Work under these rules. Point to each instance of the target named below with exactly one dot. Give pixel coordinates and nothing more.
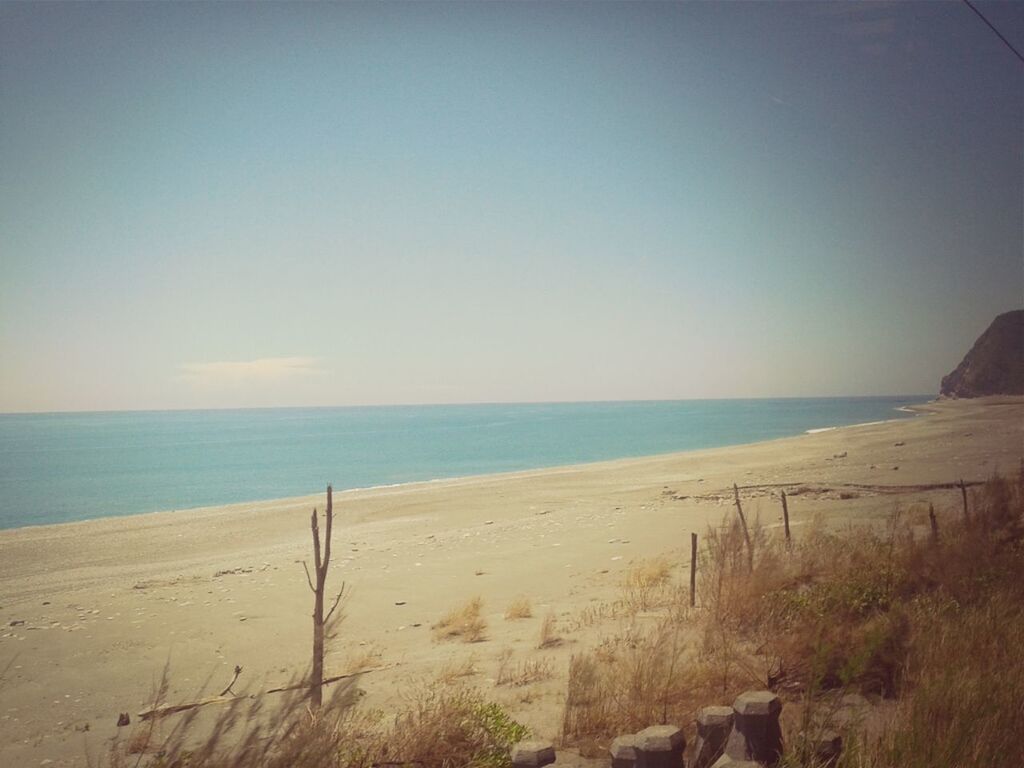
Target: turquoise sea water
(75, 466)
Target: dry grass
(889, 611)
(464, 622)
(549, 632)
(519, 608)
(367, 657)
(523, 673)
(629, 682)
(439, 726)
(645, 585)
(457, 670)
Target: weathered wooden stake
(321, 562)
(934, 522)
(693, 569)
(746, 533)
(963, 493)
(785, 516)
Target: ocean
(61, 467)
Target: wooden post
(785, 516)
(693, 569)
(963, 493)
(746, 532)
(934, 522)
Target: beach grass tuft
(465, 623)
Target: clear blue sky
(207, 205)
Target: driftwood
(325, 681)
(171, 709)
(873, 487)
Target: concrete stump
(713, 726)
(727, 762)
(532, 754)
(660, 746)
(756, 733)
(623, 751)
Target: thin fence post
(963, 493)
(785, 516)
(693, 569)
(746, 532)
(934, 522)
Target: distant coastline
(73, 467)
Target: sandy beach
(91, 612)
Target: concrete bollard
(660, 746)
(532, 754)
(623, 751)
(727, 762)
(827, 747)
(756, 733)
(713, 726)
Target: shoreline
(917, 409)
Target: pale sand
(106, 603)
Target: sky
(251, 205)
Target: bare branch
(226, 691)
(316, 545)
(308, 579)
(330, 521)
(336, 601)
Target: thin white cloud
(245, 371)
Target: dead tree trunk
(321, 562)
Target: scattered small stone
(399, 602)
(17, 623)
(124, 719)
(488, 522)
(895, 468)
(900, 444)
(46, 602)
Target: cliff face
(995, 364)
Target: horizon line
(932, 397)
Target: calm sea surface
(76, 466)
